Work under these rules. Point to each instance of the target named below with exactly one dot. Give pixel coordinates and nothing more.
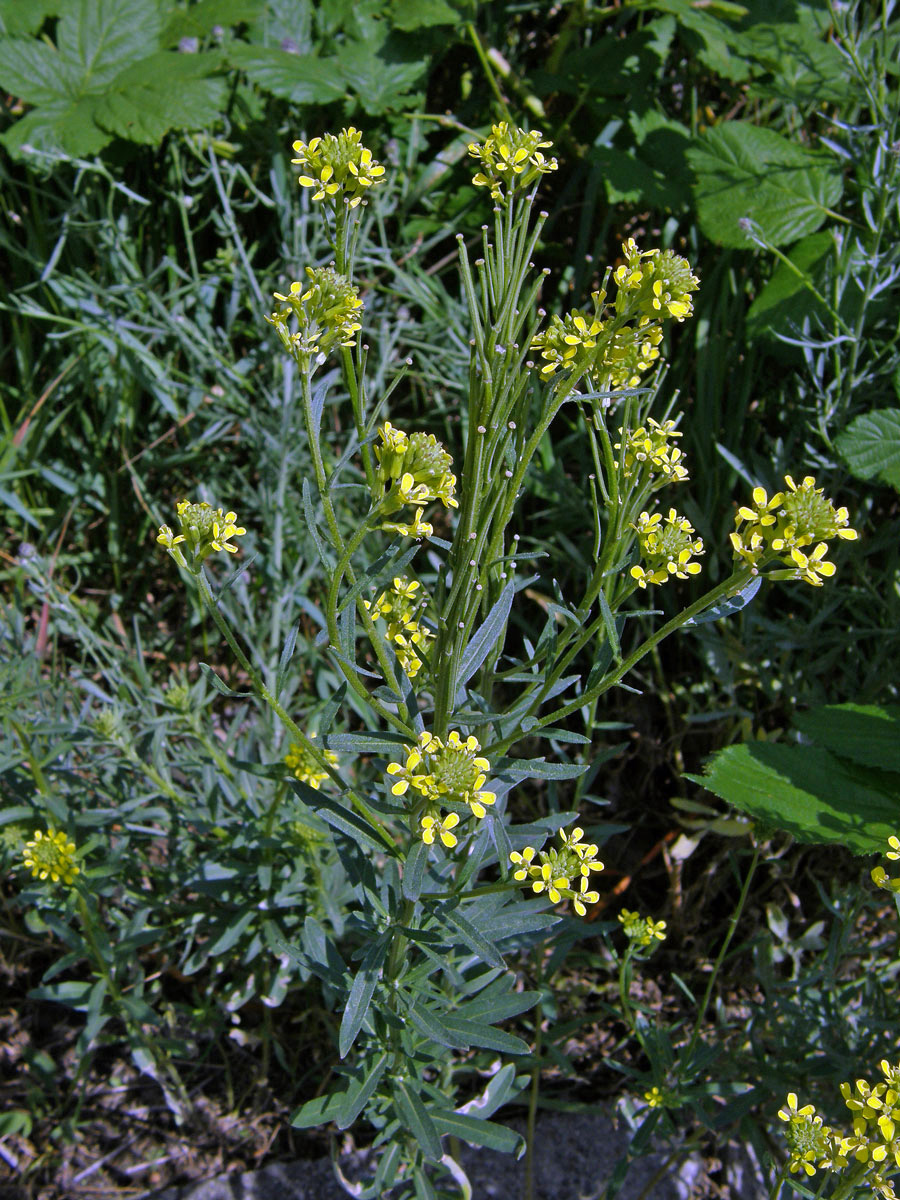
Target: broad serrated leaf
(786, 297)
(18, 17)
(34, 72)
(870, 446)
(162, 92)
(410, 15)
(361, 991)
(380, 85)
(415, 1117)
(804, 790)
(66, 126)
(479, 1133)
(744, 171)
(201, 19)
(300, 78)
(102, 37)
(865, 733)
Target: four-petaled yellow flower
(666, 548)
(338, 168)
(399, 607)
(782, 529)
(204, 529)
(300, 760)
(51, 856)
(558, 869)
(511, 159)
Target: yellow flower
(556, 870)
(416, 467)
(641, 931)
(204, 529)
(338, 167)
(667, 549)
(51, 856)
(511, 159)
(646, 452)
(326, 311)
(654, 283)
(433, 824)
(782, 528)
(445, 772)
(300, 761)
(399, 607)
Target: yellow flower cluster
(442, 773)
(304, 767)
(511, 159)
(580, 341)
(399, 607)
(646, 453)
(880, 876)
(557, 870)
(642, 932)
(654, 283)
(666, 548)
(326, 311)
(51, 856)
(874, 1142)
(785, 526)
(338, 167)
(204, 529)
(417, 470)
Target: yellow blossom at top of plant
(301, 762)
(444, 772)
(807, 1137)
(326, 311)
(646, 452)
(581, 341)
(666, 547)
(557, 870)
(511, 159)
(782, 528)
(51, 856)
(339, 167)
(204, 529)
(642, 932)
(654, 283)
(399, 606)
(416, 468)
(880, 876)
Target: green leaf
(18, 17)
(410, 15)
(379, 84)
(221, 687)
(866, 733)
(361, 992)
(414, 870)
(486, 637)
(470, 936)
(102, 37)
(786, 297)
(432, 1026)
(33, 71)
(64, 126)
(162, 92)
(476, 1033)
(200, 19)
(300, 78)
(319, 1111)
(340, 817)
(870, 446)
(745, 171)
(479, 1133)
(415, 1117)
(805, 790)
(358, 1094)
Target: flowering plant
(416, 622)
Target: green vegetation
(384, 552)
